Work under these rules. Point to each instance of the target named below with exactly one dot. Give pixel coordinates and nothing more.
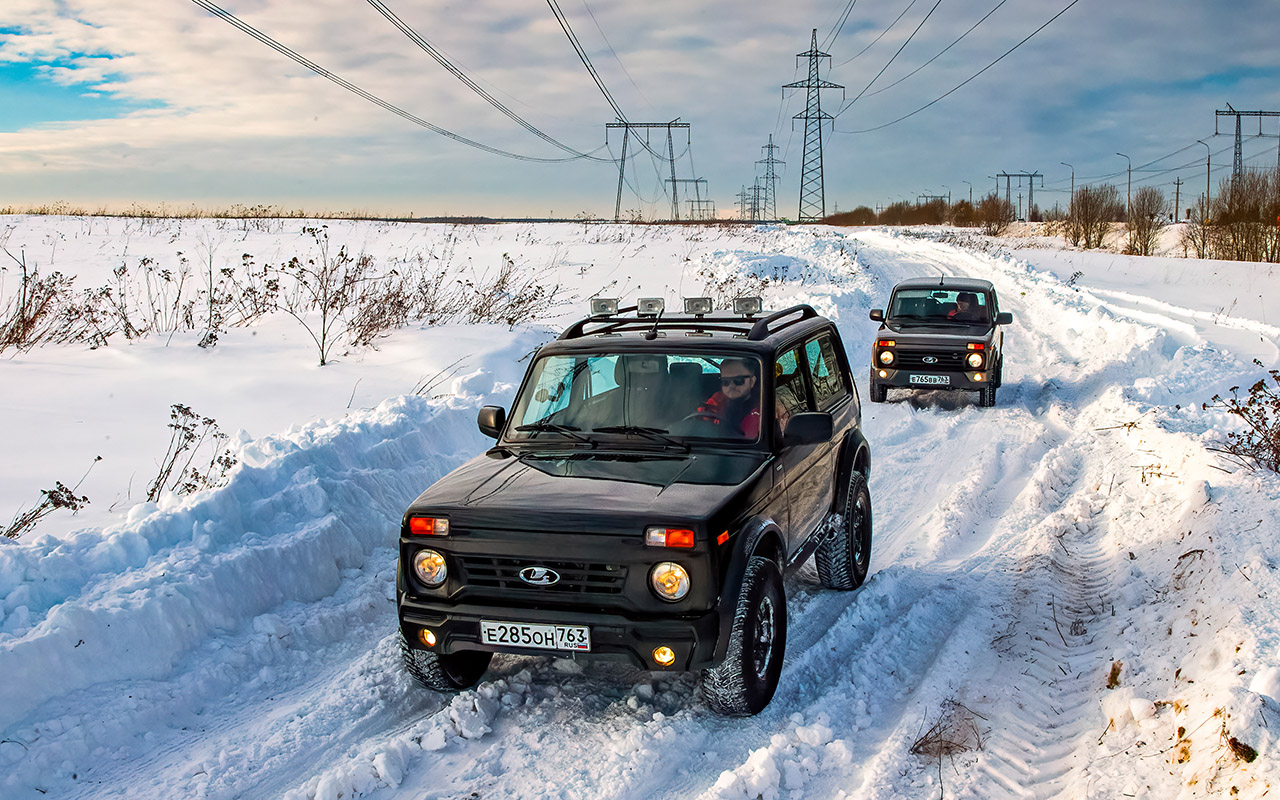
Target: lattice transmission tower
(813, 202)
(769, 183)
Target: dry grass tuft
(954, 732)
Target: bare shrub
(51, 499)
(326, 286)
(193, 436)
(33, 314)
(1258, 446)
(994, 214)
(1197, 235)
(1093, 209)
(962, 214)
(1147, 218)
(1244, 218)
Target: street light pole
(1128, 197)
(970, 192)
(1073, 178)
(1208, 157)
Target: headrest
(641, 367)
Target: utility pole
(1031, 182)
(1238, 165)
(1177, 192)
(755, 201)
(1073, 178)
(970, 192)
(770, 179)
(627, 127)
(697, 189)
(1128, 197)
(813, 204)
(1208, 158)
(742, 203)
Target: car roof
(963, 284)
(760, 334)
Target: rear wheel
(444, 672)
(744, 683)
(844, 556)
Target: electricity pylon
(770, 185)
(1238, 165)
(813, 202)
(627, 127)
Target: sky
(110, 103)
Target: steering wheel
(705, 416)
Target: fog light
(430, 567)
(979, 377)
(974, 360)
(883, 374)
(427, 637)
(669, 581)
(664, 656)
(886, 356)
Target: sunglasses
(736, 380)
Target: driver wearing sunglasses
(737, 403)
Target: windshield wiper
(555, 427)
(656, 434)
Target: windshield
(666, 399)
(940, 305)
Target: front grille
(576, 577)
(947, 362)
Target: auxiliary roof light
(698, 305)
(604, 306)
(650, 306)
(746, 306)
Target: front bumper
(457, 627)
(902, 379)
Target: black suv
(940, 333)
(655, 479)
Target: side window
(829, 384)
(790, 389)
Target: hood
(588, 492)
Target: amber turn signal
(668, 537)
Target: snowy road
(243, 643)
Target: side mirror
(1004, 318)
(811, 427)
(877, 314)
(491, 420)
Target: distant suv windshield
(940, 305)
(662, 397)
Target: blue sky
(121, 101)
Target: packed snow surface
(1072, 595)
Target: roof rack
(755, 328)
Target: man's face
(962, 304)
(736, 381)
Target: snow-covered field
(1070, 590)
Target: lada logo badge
(539, 576)
(930, 360)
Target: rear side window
(829, 384)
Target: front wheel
(844, 556)
(744, 683)
(444, 672)
(987, 396)
(878, 392)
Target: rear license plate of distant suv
(931, 380)
(541, 637)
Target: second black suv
(655, 479)
(940, 333)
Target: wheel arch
(758, 536)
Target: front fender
(757, 536)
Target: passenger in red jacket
(737, 404)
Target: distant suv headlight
(430, 567)
(886, 356)
(974, 360)
(670, 581)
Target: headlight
(886, 356)
(430, 567)
(669, 581)
(974, 360)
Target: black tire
(878, 392)
(844, 557)
(987, 396)
(444, 672)
(744, 683)
(998, 380)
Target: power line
(467, 81)
(849, 104)
(939, 55)
(970, 78)
(584, 58)
(878, 38)
(614, 53)
(356, 90)
(839, 26)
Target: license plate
(931, 380)
(541, 637)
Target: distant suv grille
(952, 361)
(576, 577)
